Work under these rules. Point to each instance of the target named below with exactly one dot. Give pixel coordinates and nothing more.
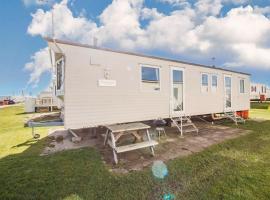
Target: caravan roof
(138, 54)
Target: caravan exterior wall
(106, 87)
(256, 90)
(29, 104)
(268, 93)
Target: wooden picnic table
(116, 131)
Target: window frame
(62, 71)
(201, 82)
(216, 86)
(177, 68)
(252, 88)
(231, 91)
(244, 86)
(140, 77)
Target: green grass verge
(236, 169)
(257, 105)
(260, 112)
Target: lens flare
(168, 197)
(159, 169)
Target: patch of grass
(257, 105)
(14, 137)
(235, 169)
(260, 112)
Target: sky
(233, 34)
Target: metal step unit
(184, 125)
(234, 117)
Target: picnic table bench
(116, 131)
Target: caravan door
(177, 91)
(228, 93)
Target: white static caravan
(268, 93)
(48, 99)
(102, 86)
(258, 91)
(45, 100)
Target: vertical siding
(87, 104)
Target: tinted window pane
(150, 78)
(59, 74)
(228, 81)
(150, 74)
(242, 86)
(177, 76)
(205, 79)
(214, 80)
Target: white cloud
(37, 2)
(66, 26)
(39, 64)
(176, 2)
(242, 34)
(252, 55)
(240, 38)
(236, 2)
(236, 27)
(174, 32)
(208, 7)
(120, 23)
(213, 7)
(204, 6)
(262, 10)
(151, 13)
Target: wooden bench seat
(116, 131)
(135, 146)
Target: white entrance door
(177, 91)
(228, 93)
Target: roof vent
(95, 42)
(213, 59)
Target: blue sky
(236, 33)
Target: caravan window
(204, 80)
(204, 86)
(242, 86)
(150, 78)
(59, 73)
(214, 83)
